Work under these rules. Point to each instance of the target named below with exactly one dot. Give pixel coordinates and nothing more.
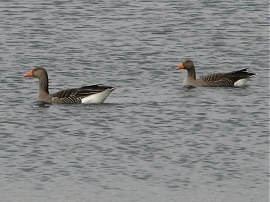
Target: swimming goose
(229, 79)
(85, 94)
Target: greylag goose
(85, 95)
(229, 79)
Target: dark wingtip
(98, 86)
(245, 70)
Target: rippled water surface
(153, 139)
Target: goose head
(185, 64)
(38, 72)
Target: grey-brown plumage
(86, 94)
(229, 79)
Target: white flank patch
(97, 98)
(241, 82)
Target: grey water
(153, 139)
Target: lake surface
(153, 139)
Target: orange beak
(29, 74)
(180, 66)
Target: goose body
(230, 79)
(86, 95)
